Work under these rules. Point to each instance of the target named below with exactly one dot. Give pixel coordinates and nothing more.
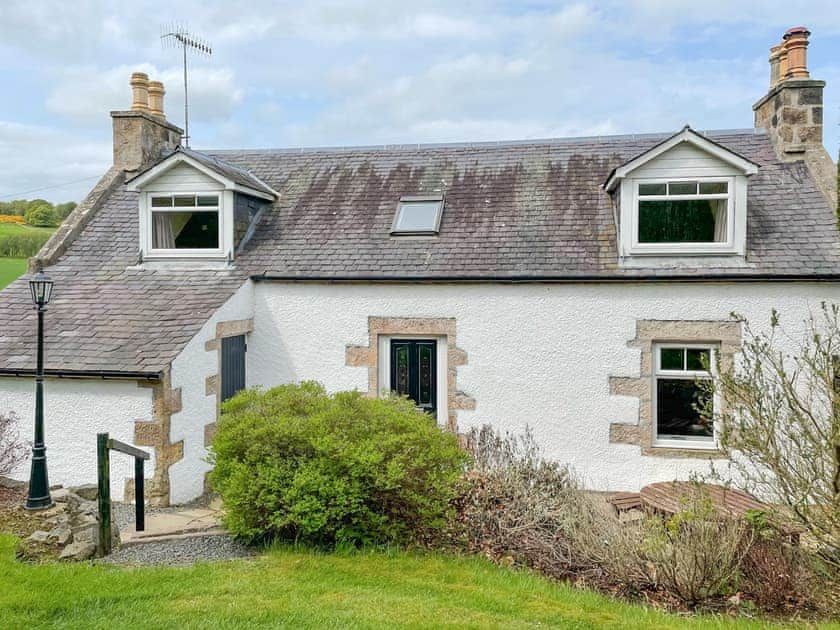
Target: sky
(361, 72)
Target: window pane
(184, 201)
(208, 200)
(697, 359)
(682, 188)
(185, 230)
(401, 359)
(653, 189)
(671, 358)
(682, 221)
(425, 390)
(713, 188)
(161, 202)
(678, 405)
(417, 216)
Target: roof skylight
(418, 215)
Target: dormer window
(195, 206)
(419, 216)
(684, 211)
(686, 196)
(184, 223)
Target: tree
(780, 423)
(41, 216)
(63, 210)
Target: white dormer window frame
(724, 246)
(719, 165)
(152, 183)
(149, 209)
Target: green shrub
(296, 464)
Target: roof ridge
(758, 131)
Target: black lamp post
(39, 485)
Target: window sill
(179, 262)
(680, 260)
(677, 449)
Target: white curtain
(163, 236)
(720, 221)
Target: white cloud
(368, 71)
(86, 94)
(37, 161)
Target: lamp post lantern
(39, 485)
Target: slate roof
(514, 210)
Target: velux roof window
(418, 216)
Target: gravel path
(172, 552)
(178, 552)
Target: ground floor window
(681, 400)
(414, 371)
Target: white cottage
(573, 285)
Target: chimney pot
(140, 91)
(775, 53)
(796, 44)
(156, 93)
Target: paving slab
(182, 523)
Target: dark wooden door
(233, 365)
(414, 371)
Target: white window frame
(683, 442)
(442, 376)
(725, 247)
(147, 235)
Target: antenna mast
(178, 36)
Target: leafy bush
(297, 464)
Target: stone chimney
(792, 110)
(142, 135)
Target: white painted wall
(190, 370)
(539, 355)
(75, 410)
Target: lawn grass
(10, 269)
(287, 588)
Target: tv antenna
(179, 36)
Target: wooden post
(139, 513)
(104, 495)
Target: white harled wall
(538, 355)
(190, 370)
(75, 410)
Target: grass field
(285, 588)
(11, 268)
(14, 228)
